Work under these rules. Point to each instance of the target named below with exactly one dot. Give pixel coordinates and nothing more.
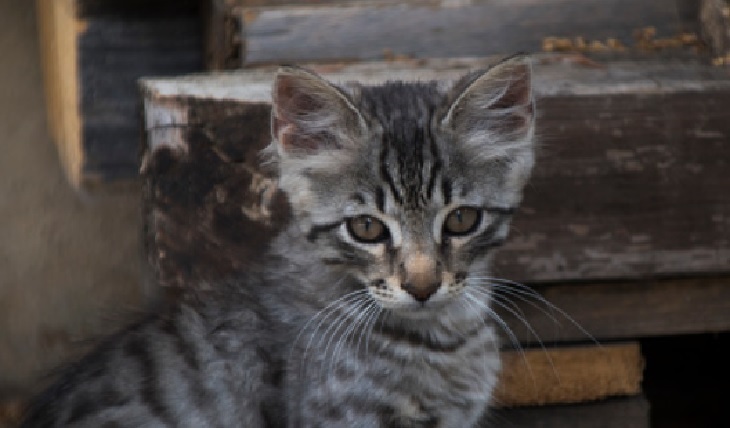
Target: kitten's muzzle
(421, 292)
(421, 276)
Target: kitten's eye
(462, 221)
(367, 229)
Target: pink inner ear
(291, 104)
(293, 99)
(291, 139)
(517, 92)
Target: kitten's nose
(421, 292)
(421, 276)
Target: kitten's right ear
(493, 111)
(309, 114)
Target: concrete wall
(70, 267)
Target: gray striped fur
(330, 332)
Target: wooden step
(261, 32)
(93, 51)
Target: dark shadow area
(686, 380)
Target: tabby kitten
(364, 315)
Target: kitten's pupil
(462, 220)
(367, 229)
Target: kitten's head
(406, 187)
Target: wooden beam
(327, 30)
(564, 375)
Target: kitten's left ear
(494, 110)
(310, 115)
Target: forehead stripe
(446, 190)
(435, 169)
(385, 174)
(380, 199)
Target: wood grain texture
(566, 375)
(644, 179)
(370, 30)
(618, 310)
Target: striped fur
(341, 329)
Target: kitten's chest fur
(398, 373)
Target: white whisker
(526, 291)
(361, 315)
(532, 331)
(496, 318)
(325, 313)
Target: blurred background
(69, 263)
(635, 101)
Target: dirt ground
(70, 266)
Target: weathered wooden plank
(94, 52)
(629, 181)
(370, 30)
(617, 310)
(646, 175)
(631, 412)
(564, 375)
(715, 25)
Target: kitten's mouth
(420, 310)
(417, 309)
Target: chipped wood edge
(165, 123)
(59, 31)
(555, 75)
(569, 374)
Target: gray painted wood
(369, 30)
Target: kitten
(364, 315)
